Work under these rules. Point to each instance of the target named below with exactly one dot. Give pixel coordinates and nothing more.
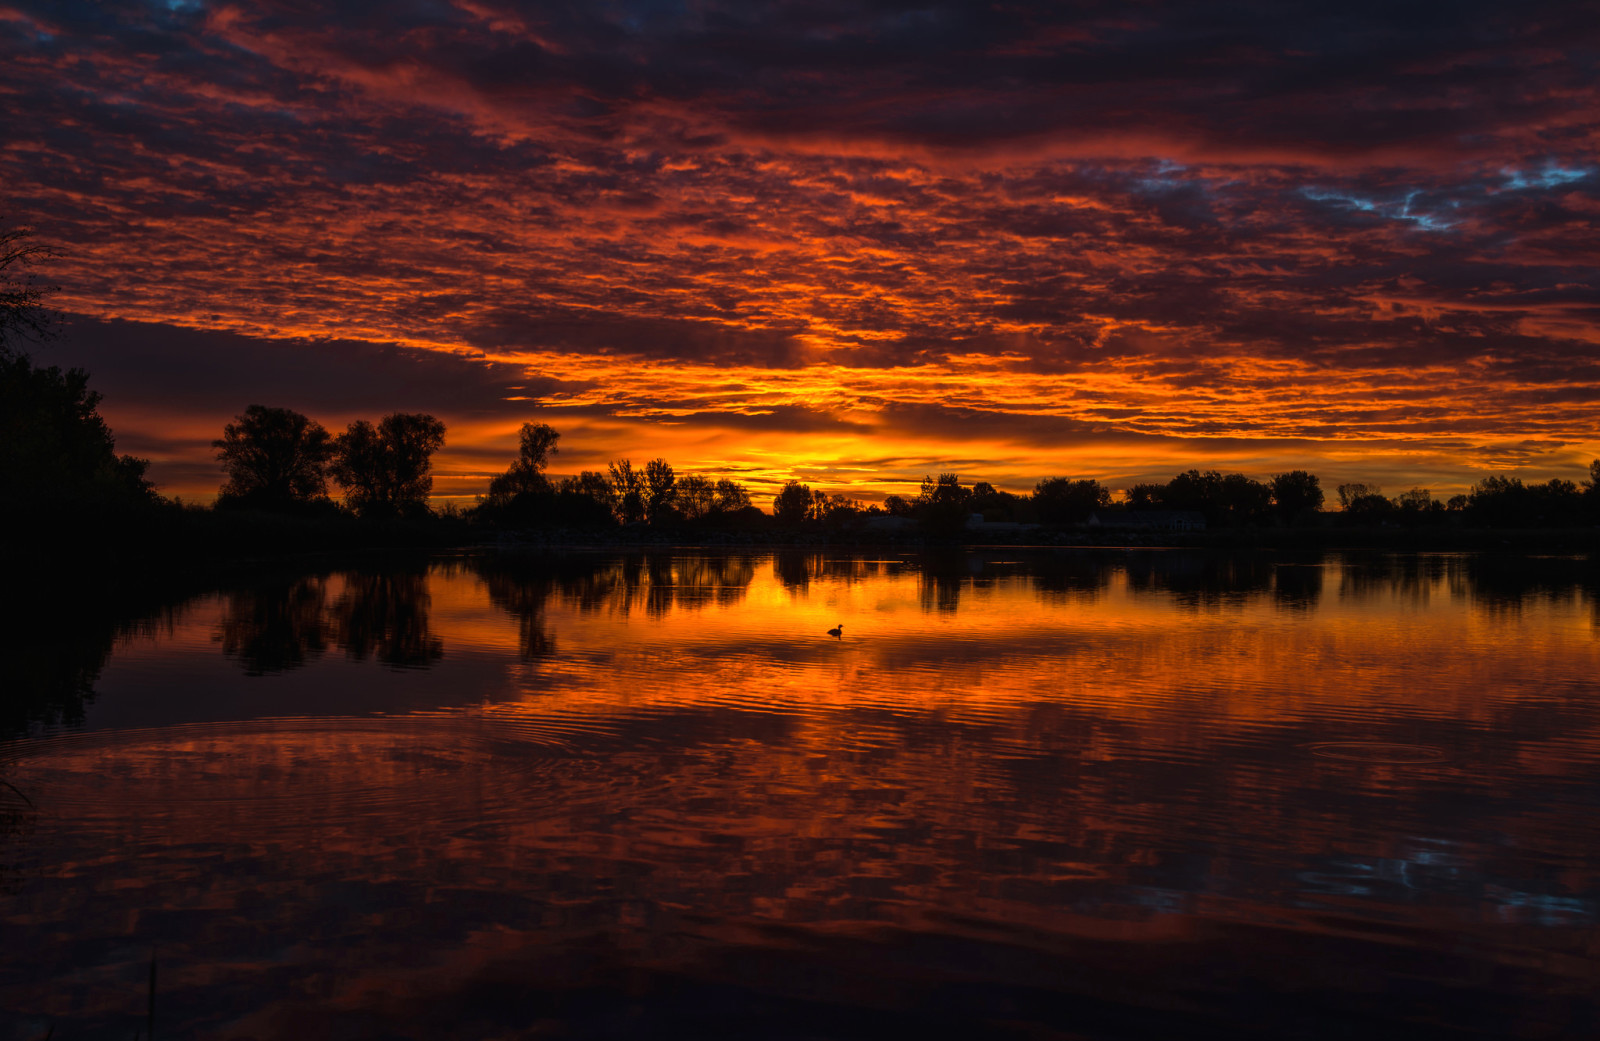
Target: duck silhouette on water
(837, 631)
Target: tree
(23, 315)
(54, 446)
(696, 497)
(1230, 499)
(660, 489)
(1349, 493)
(942, 505)
(387, 470)
(526, 475)
(1500, 501)
(896, 506)
(275, 458)
(1062, 501)
(585, 501)
(836, 511)
(793, 505)
(1243, 500)
(1146, 496)
(592, 484)
(1556, 502)
(1368, 508)
(731, 496)
(627, 492)
(1296, 493)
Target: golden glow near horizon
(856, 288)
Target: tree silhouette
(792, 506)
(274, 458)
(526, 475)
(1224, 499)
(387, 470)
(627, 491)
(54, 446)
(1295, 493)
(731, 496)
(592, 484)
(1060, 501)
(696, 497)
(943, 504)
(1350, 492)
(660, 490)
(1146, 496)
(23, 314)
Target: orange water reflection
(623, 795)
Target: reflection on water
(1119, 794)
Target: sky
(850, 243)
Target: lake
(1082, 794)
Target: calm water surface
(1077, 794)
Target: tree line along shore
(67, 495)
(290, 484)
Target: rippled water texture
(1084, 795)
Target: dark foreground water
(1076, 795)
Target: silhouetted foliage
(731, 496)
(1230, 499)
(1296, 494)
(794, 505)
(537, 443)
(1349, 493)
(523, 495)
(275, 459)
(1368, 507)
(660, 491)
(586, 501)
(1145, 496)
(998, 505)
(1058, 500)
(896, 506)
(696, 497)
(1418, 506)
(837, 512)
(24, 318)
(592, 484)
(627, 488)
(54, 447)
(386, 470)
(942, 505)
(628, 492)
(1505, 502)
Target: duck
(837, 630)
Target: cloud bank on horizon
(855, 242)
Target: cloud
(192, 369)
(1084, 225)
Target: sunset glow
(852, 245)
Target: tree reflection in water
(1102, 774)
(385, 615)
(282, 624)
(277, 626)
(523, 585)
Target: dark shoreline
(186, 544)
